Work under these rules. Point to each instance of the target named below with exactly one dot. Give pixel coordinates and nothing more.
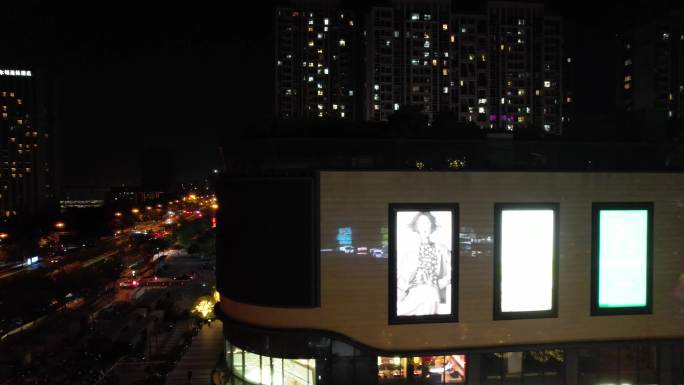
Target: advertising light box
(422, 262)
(526, 258)
(621, 279)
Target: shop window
(450, 369)
(538, 367)
(634, 365)
(263, 370)
(678, 364)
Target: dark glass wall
(266, 241)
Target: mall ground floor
(279, 357)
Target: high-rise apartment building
(526, 67)
(316, 60)
(27, 161)
(651, 64)
(500, 69)
(408, 58)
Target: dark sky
(176, 77)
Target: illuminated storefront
(449, 369)
(257, 369)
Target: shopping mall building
(357, 275)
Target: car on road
(347, 249)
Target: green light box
(623, 258)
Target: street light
(135, 210)
(118, 214)
(4, 235)
(215, 206)
(59, 225)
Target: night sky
(171, 79)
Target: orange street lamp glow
(135, 211)
(148, 208)
(59, 225)
(3, 235)
(118, 214)
(214, 206)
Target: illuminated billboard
(526, 260)
(423, 245)
(621, 258)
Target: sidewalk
(201, 358)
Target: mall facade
(442, 277)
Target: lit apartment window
(342, 114)
(376, 87)
(4, 115)
(310, 78)
(547, 127)
(434, 62)
(351, 23)
(445, 27)
(351, 93)
(461, 83)
(18, 101)
(628, 86)
(481, 110)
(320, 93)
(666, 36)
(568, 99)
(311, 43)
(396, 33)
(396, 106)
(445, 71)
(471, 57)
(628, 78)
(376, 107)
(445, 90)
(343, 43)
(415, 16)
(311, 21)
(503, 100)
(521, 92)
(569, 60)
(334, 106)
(482, 101)
(537, 92)
(463, 29)
(453, 38)
(325, 71)
(547, 84)
(326, 21)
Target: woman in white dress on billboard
(424, 288)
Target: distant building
(651, 63)
(131, 195)
(500, 69)
(28, 179)
(82, 197)
(316, 58)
